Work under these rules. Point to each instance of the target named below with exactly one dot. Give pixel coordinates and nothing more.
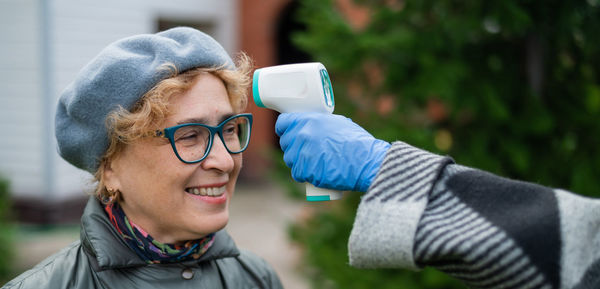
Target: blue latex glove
(329, 151)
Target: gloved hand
(329, 151)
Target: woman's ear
(110, 175)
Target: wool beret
(119, 76)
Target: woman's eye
(230, 129)
(190, 136)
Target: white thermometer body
(302, 87)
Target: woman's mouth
(207, 191)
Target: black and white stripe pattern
(489, 231)
(456, 239)
(387, 218)
(417, 170)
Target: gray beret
(119, 76)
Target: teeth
(213, 192)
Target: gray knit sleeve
(488, 231)
(388, 215)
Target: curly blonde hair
(152, 109)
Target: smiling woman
(154, 185)
(158, 120)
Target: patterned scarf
(150, 250)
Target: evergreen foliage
(510, 87)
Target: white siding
(21, 158)
(78, 30)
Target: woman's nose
(218, 157)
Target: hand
(329, 151)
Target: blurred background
(511, 87)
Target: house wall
(258, 29)
(21, 107)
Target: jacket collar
(104, 244)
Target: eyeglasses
(192, 142)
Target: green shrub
(324, 238)
(6, 232)
(511, 87)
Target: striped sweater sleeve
(488, 231)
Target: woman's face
(155, 184)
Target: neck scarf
(150, 250)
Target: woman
(157, 119)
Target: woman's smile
(207, 191)
(209, 194)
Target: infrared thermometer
(301, 87)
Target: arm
(420, 210)
(488, 231)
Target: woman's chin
(210, 224)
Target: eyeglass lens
(193, 141)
